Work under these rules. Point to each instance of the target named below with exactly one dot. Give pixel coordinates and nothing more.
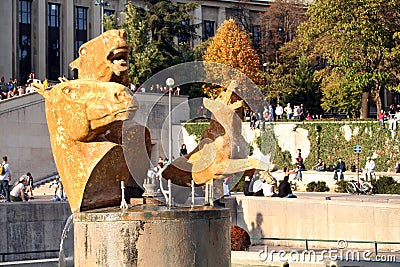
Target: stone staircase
(44, 190)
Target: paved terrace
(359, 220)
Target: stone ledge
(314, 176)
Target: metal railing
(4, 254)
(308, 240)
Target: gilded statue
(85, 120)
(222, 149)
(104, 58)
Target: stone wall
(317, 219)
(37, 226)
(32, 226)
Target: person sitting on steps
(341, 168)
(369, 168)
(18, 192)
(320, 166)
(284, 190)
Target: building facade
(43, 36)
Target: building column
(198, 18)
(68, 37)
(7, 51)
(95, 21)
(40, 64)
(221, 17)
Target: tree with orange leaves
(233, 47)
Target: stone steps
(43, 190)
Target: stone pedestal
(150, 235)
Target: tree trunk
(378, 100)
(364, 105)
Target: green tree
(293, 83)
(305, 87)
(338, 94)
(277, 85)
(360, 40)
(153, 29)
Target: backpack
(2, 169)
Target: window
(80, 28)
(184, 37)
(255, 30)
(208, 29)
(53, 13)
(81, 18)
(25, 12)
(24, 39)
(109, 12)
(53, 41)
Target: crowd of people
(257, 119)
(256, 186)
(157, 89)
(278, 113)
(12, 88)
(390, 117)
(340, 168)
(21, 190)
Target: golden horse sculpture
(222, 150)
(85, 118)
(104, 58)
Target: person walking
(5, 178)
(271, 113)
(29, 187)
(381, 118)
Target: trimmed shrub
(341, 186)
(240, 239)
(385, 185)
(319, 186)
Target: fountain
(86, 120)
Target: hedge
(328, 141)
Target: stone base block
(151, 235)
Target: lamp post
(170, 82)
(102, 4)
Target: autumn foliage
(233, 47)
